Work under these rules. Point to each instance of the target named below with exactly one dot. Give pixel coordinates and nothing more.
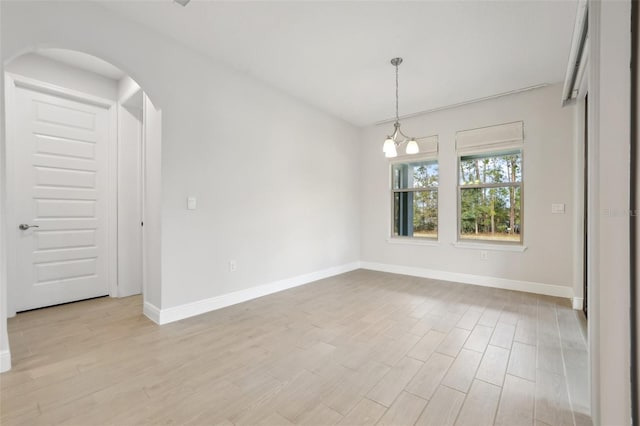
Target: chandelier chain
(397, 115)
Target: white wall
(152, 195)
(128, 89)
(609, 133)
(548, 178)
(5, 356)
(274, 177)
(129, 188)
(45, 69)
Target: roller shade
(428, 145)
(500, 136)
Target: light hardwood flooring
(360, 348)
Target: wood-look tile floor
(360, 348)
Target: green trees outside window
(415, 199)
(490, 197)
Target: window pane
(491, 168)
(415, 214)
(490, 214)
(420, 174)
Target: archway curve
(84, 27)
(152, 286)
(113, 61)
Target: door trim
(13, 81)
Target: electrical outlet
(233, 266)
(484, 255)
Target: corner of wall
(5, 354)
(577, 303)
(152, 312)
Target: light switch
(191, 203)
(557, 208)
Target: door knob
(24, 226)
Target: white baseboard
(578, 303)
(526, 286)
(5, 361)
(152, 312)
(176, 313)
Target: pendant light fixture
(397, 138)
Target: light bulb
(388, 145)
(391, 152)
(412, 147)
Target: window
(490, 196)
(414, 193)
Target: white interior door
(61, 160)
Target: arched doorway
(82, 177)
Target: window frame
(489, 151)
(430, 157)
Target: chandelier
(397, 138)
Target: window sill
(489, 246)
(413, 241)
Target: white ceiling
(335, 55)
(83, 61)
